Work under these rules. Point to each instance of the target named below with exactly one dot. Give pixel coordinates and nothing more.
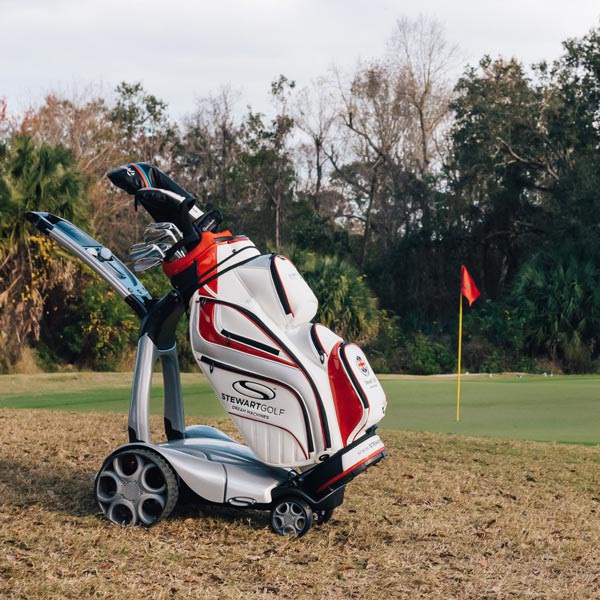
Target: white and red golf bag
(296, 391)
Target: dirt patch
(442, 517)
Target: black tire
(291, 516)
(136, 486)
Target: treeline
(379, 184)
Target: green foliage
(269, 173)
(425, 356)
(574, 84)
(558, 295)
(36, 177)
(91, 327)
(520, 173)
(499, 167)
(42, 178)
(346, 305)
(156, 282)
(385, 351)
(143, 122)
(308, 230)
(493, 339)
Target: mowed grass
(100, 392)
(443, 517)
(560, 408)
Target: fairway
(561, 408)
(101, 392)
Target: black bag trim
(186, 282)
(188, 239)
(315, 479)
(279, 286)
(217, 275)
(200, 276)
(317, 342)
(357, 386)
(250, 342)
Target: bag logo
(361, 363)
(253, 389)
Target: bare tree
(210, 148)
(420, 51)
(392, 114)
(376, 135)
(82, 124)
(315, 113)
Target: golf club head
(164, 232)
(144, 250)
(158, 236)
(164, 226)
(146, 262)
(136, 250)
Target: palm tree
(558, 294)
(31, 178)
(346, 304)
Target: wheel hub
(131, 491)
(287, 520)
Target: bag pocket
(270, 414)
(357, 394)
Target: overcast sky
(182, 50)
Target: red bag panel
(348, 405)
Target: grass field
(564, 409)
(441, 518)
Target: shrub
(558, 295)
(91, 327)
(425, 356)
(385, 351)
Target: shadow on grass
(52, 487)
(70, 491)
(192, 507)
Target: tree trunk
(318, 146)
(373, 187)
(277, 201)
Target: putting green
(562, 408)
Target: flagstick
(460, 311)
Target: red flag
(467, 286)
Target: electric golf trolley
(306, 402)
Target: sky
(184, 50)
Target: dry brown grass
(441, 518)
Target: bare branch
(528, 161)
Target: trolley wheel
(322, 516)
(291, 516)
(136, 486)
